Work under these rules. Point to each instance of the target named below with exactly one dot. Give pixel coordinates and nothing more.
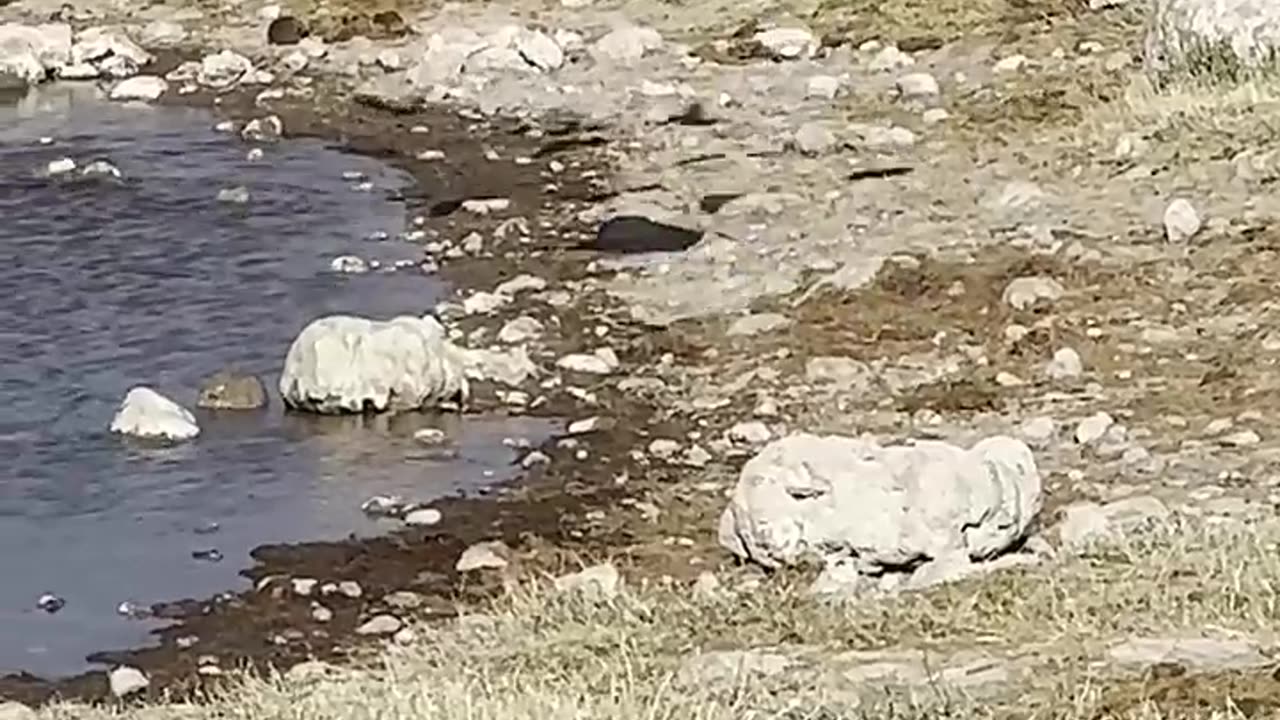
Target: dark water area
(151, 280)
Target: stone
(28, 54)
(142, 87)
(443, 61)
(813, 138)
(918, 86)
(1065, 365)
(757, 323)
(1025, 292)
(731, 668)
(146, 413)
(824, 87)
(234, 196)
(490, 555)
(1012, 63)
(626, 45)
(403, 600)
(1194, 653)
(510, 367)
(519, 284)
(101, 168)
(264, 129)
(844, 371)
(125, 680)
(1087, 522)
(1182, 35)
(1092, 429)
(61, 166)
(286, 30)
(599, 582)
(1038, 430)
(223, 69)
(97, 45)
(423, 517)
(231, 390)
(484, 303)
(539, 50)
(162, 34)
(16, 711)
(347, 364)
(303, 586)
(885, 507)
(521, 329)
(349, 264)
(1181, 221)
(598, 363)
(380, 625)
(752, 432)
(788, 43)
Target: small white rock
(126, 680)
(1181, 221)
(142, 87)
(380, 625)
(1093, 428)
(918, 86)
(423, 517)
(481, 556)
(60, 167)
(1065, 365)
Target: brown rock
(228, 390)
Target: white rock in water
(883, 508)
(143, 87)
(789, 43)
(101, 168)
(1181, 221)
(266, 129)
(349, 264)
(61, 166)
(345, 364)
(126, 680)
(1180, 33)
(223, 69)
(234, 196)
(146, 413)
(626, 45)
(539, 50)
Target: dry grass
(535, 655)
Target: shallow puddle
(152, 280)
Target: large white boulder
(881, 507)
(345, 364)
(1202, 34)
(28, 53)
(148, 414)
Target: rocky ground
(921, 219)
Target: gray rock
(521, 329)
(423, 517)
(380, 625)
(1181, 221)
(403, 600)
(1038, 430)
(346, 364)
(1195, 653)
(101, 168)
(1065, 365)
(814, 138)
(887, 507)
(1086, 522)
(602, 362)
(539, 50)
(162, 34)
(626, 45)
(519, 284)
(264, 129)
(146, 413)
(843, 371)
(230, 390)
(110, 50)
(29, 53)
(16, 711)
(490, 555)
(918, 86)
(822, 86)
(599, 582)
(751, 432)
(126, 680)
(757, 323)
(234, 196)
(223, 69)
(1185, 35)
(1092, 429)
(788, 43)
(510, 367)
(1024, 292)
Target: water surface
(151, 280)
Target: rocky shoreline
(949, 225)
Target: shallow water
(107, 285)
